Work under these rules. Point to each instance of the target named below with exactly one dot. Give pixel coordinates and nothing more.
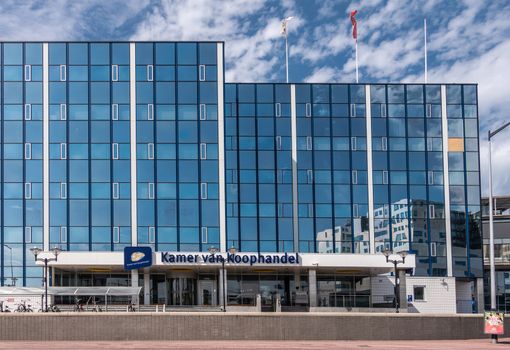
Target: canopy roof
(118, 291)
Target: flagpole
(286, 57)
(425, 47)
(357, 61)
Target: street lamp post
(387, 253)
(213, 250)
(491, 228)
(13, 280)
(36, 251)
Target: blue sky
(469, 41)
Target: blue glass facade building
(113, 144)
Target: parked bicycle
(95, 307)
(51, 308)
(131, 308)
(24, 307)
(78, 305)
(4, 308)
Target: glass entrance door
(270, 289)
(182, 291)
(207, 292)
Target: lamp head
(403, 255)
(232, 250)
(36, 251)
(212, 249)
(386, 253)
(56, 251)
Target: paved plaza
(260, 345)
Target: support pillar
(134, 283)
(403, 290)
(312, 287)
(222, 284)
(146, 288)
(480, 298)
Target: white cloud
(250, 29)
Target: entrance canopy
(96, 291)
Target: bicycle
(4, 308)
(78, 306)
(95, 307)
(51, 308)
(131, 308)
(24, 307)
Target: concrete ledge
(239, 326)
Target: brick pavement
(260, 345)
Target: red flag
(354, 25)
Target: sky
(468, 41)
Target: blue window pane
(78, 92)
(13, 53)
(144, 52)
(99, 53)
(165, 93)
(58, 92)
(165, 53)
(120, 92)
(187, 92)
(13, 73)
(13, 92)
(57, 53)
(100, 92)
(187, 73)
(165, 73)
(33, 53)
(207, 53)
(99, 73)
(33, 92)
(208, 92)
(78, 53)
(120, 53)
(186, 53)
(78, 73)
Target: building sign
(494, 323)
(137, 257)
(239, 259)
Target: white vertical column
(371, 226)
(221, 148)
(293, 130)
(146, 287)
(446, 181)
(312, 287)
(135, 299)
(132, 122)
(46, 151)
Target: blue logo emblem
(137, 257)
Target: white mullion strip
(293, 129)
(132, 121)
(371, 224)
(46, 151)
(446, 181)
(221, 149)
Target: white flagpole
(286, 57)
(285, 33)
(357, 80)
(425, 47)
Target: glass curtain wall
(464, 177)
(258, 167)
(21, 168)
(177, 146)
